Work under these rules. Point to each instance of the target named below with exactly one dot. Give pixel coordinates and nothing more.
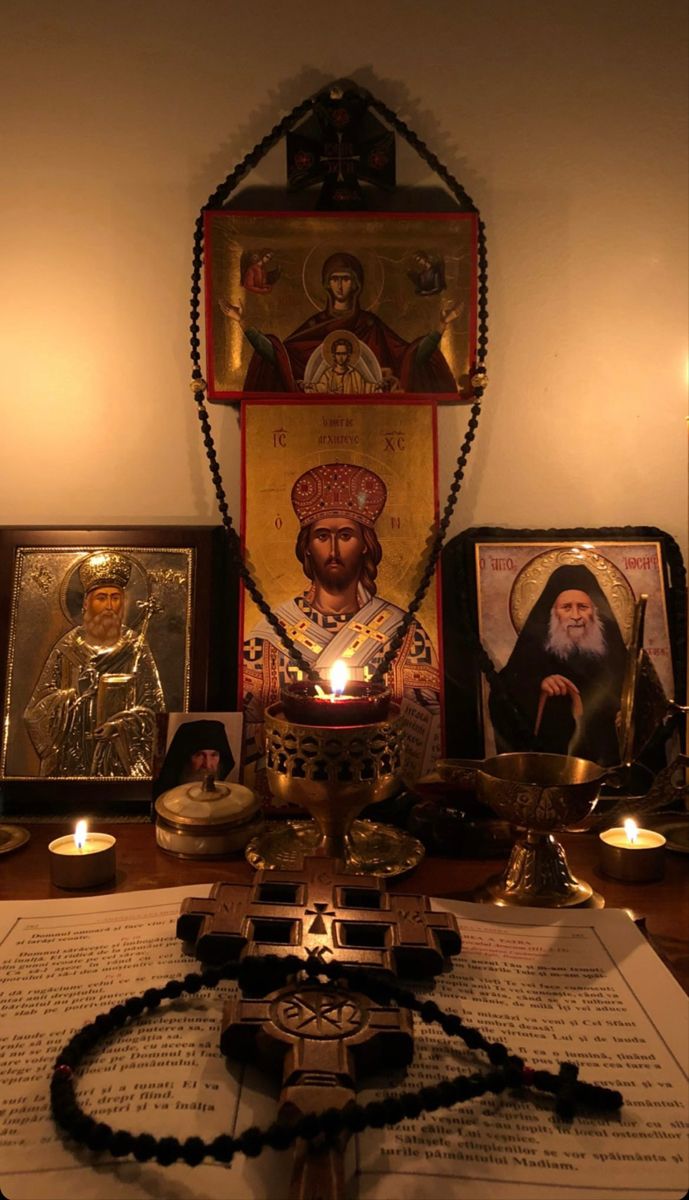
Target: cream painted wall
(565, 121)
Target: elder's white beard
(591, 641)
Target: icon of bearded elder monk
(340, 614)
(280, 366)
(566, 671)
(92, 709)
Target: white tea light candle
(631, 854)
(82, 860)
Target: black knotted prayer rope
(217, 200)
(263, 976)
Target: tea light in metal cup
(631, 854)
(82, 860)
(347, 702)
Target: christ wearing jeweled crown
(340, 614)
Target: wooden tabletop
(664, 906)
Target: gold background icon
(385, 246)
(397, 441)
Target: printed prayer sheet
(582, 986)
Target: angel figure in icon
(428, 273)
(258, 272)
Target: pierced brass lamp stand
(334, 771)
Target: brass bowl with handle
(541, 795)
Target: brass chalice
(542, 795)
(334, 771)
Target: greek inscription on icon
(394, 441)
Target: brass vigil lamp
(334, 752)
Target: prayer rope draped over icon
(198, 385)
(258, 977)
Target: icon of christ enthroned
(340, 614)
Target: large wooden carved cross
(350, 919)
(318, 1035)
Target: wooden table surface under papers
(663, 907)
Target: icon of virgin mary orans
(280, 366)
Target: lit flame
(338, 677)
(631, 829)
(80, 834)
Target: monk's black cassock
(599, 679)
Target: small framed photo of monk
(331, 304)
(102, 631)
(193, 745)
(544, 619)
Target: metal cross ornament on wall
(340, 144)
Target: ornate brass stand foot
(281, 845)
(375, 849)
(369, 848)
(12, 837)
(538, 875)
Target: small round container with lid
(206, 820)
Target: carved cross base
(321, 1037)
